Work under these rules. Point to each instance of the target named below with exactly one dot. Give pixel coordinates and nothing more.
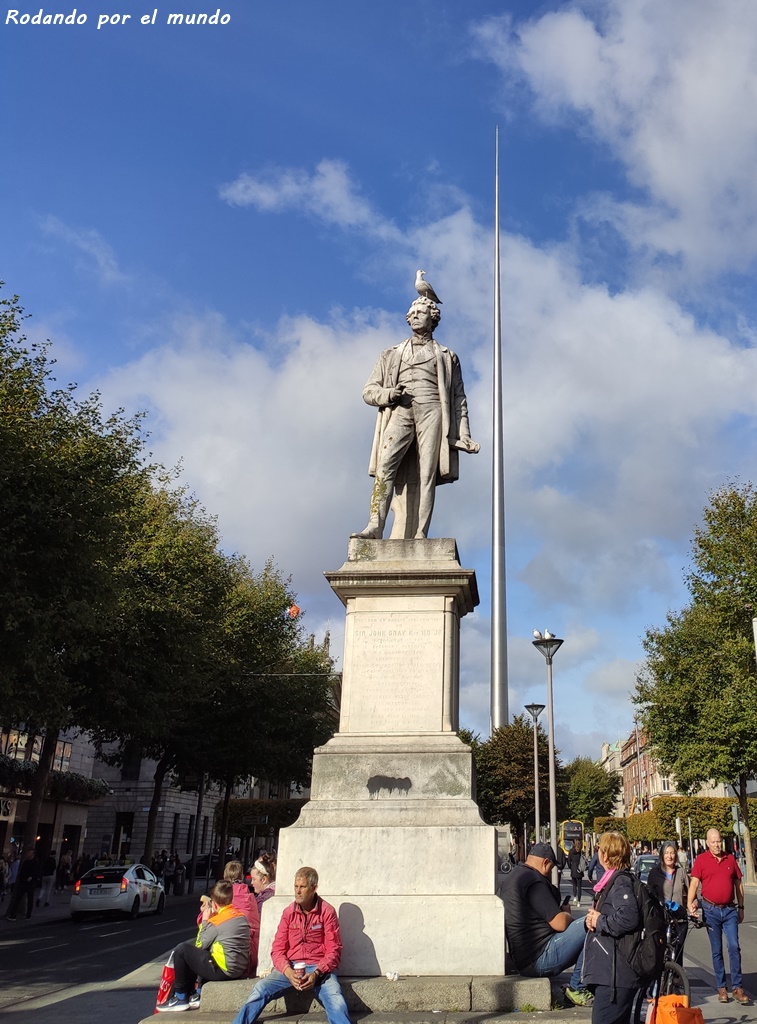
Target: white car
(129, 888)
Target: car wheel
(134, 912)
(77, 915)
(161, 904)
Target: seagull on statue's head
(424, 288)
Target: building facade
(643, 780)
(63, 823)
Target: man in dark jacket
(29, 877)
(543, 938)
(48, 879)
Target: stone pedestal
(391, 826)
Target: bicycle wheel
(639, 1007)
(674, 981)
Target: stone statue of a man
(422, 425)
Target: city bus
(569, 832)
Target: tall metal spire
(499, 704)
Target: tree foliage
(645, 826)
(68, 479)
(606, 823)
(120, 612)
(591, 790)
(698, 689)
(259, 818)
(705, 812)
(505, 774)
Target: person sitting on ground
(220, 952)
(544, 939)
(263, 877)
(305, 953)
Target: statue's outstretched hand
(467, 444)
(395, 394)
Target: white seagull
(424, 288)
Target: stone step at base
(572, 1016)
(381, 995)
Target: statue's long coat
(454, 406)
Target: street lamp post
(549, 645)
(534, 711)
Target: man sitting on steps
(305, 954)
(544, 939)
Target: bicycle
(673, 980)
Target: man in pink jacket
(308, 937)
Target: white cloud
(617, 409)
(328, 194)
(100, 257)
(671, 90)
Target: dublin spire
(499, 704)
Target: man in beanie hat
(543, 938)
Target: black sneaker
(174, 1005)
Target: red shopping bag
(166, 983)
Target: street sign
(739, 828)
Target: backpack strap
(603, 894)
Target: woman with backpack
(612, 925)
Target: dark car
(644, 865)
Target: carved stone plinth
(391, 826)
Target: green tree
(591, 790)
(283, 683)
(68, 481)
(505, 774)
(698, 689)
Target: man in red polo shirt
(722, 910)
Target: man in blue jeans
(305, 953)
(543, 938)
(723, 911)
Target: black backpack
(644, 950)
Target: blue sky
(221, 225)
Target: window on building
(20, 746)
(62, 759)
(204, 831)
(190, 832)
(132, 762)
(175, 832)
(665, 783)
(121, 842)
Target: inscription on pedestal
(396, 672)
